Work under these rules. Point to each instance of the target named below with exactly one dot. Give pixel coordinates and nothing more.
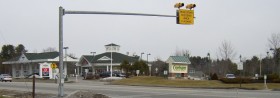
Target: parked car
(5, 77)
(230, 76)
(108, 74)
(88, 75)
(119, 74)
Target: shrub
(272, 76)
(236, 80)
(276, 80)
(214, 77)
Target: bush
(236, 80)
(276, 80)
(214, 77)
(272, 76)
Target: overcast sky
(247, 24)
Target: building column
(21, 70)
(107, 68)
(30, 69)
(65, 68)
(14, 70)
(78, 70)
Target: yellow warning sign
(53, 66)
(186, 16)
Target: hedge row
(247, 80)
(237, 80)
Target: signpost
(240, 68)
(165, 73)
(265, 77)
(137, 72)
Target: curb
(199, 87)
(72, 93)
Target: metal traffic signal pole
(63, 12)
(61, 78)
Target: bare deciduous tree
(226, 51)
(274, 41)
(49, 49)
(274, 45)
(182, 52)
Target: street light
(93, 70)
(240, 71)
(92, 53)
(208, 54)
(141, 55)
(111, 61)
(148, 63)
(274, 57)
(267, 59)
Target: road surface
(119, 91)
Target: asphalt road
(118, 91)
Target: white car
(5, 77)
(230, 76)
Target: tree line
(8, 52)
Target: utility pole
(260, 65)
(61, 78)
(150, 69)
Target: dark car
(108, 74)
(91, 75)
(105, 74)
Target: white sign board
(86, 70)
(46, 70)
(137, 72)
(165, 72)
(178, 68)
(240, 66)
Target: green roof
(45, 55)
(112, 44)
(117, 58)
(88, 57)
(180, 59)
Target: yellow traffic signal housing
(178, 5)
(190, 6)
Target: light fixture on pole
(111, 61)
(209, 61)
(92, 53)
(148, 63)
(93, 69)
(141, 55)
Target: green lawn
(160, 81)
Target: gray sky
(247, 24)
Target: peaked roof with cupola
(105, 58)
